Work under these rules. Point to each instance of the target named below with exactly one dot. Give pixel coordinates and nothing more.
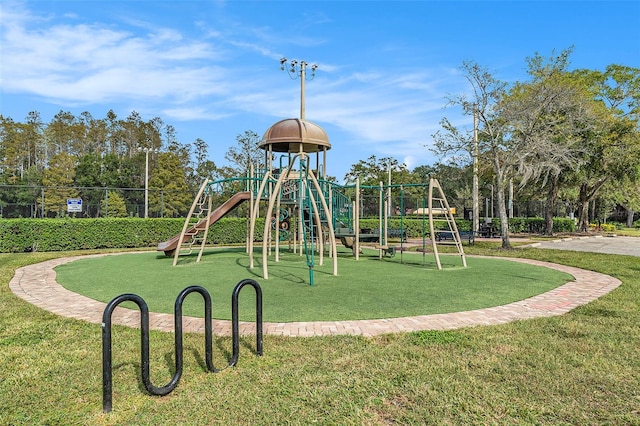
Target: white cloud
(92, 63)
(167, 72)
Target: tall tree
(58, 182)
(246, 153)
(89, 180)
(113, 205)
(495, 144)
(115, 134)
(374, 170)
(550, 117)
(11, 151)
(170, 194)
(34, 141)
(96, 134)
(205, 168)
(614, 151)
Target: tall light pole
(476, 206)
(146, 178)
(297, 69)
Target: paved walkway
(37, 285)
(612, 245)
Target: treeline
(570, 135)
(561, 143)
(78, 156)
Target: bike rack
(107, 373)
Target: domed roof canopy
(287, 135)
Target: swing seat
(387, 250)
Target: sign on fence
(74, 205)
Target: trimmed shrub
(24, 235)
(517, 225)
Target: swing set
(435, 210)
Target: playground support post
(356, 219)
(267, 227)
(401, 221)
(251, 192)
(283, 175)
(329, 216)
(431, 228)
(254, 215)
(277, 226)
(319, 239)
(380, 216)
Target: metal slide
(169, 246)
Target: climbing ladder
(439, 204)
(196, 225)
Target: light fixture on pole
(146, 178)
(297, 69)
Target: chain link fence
(22, 201)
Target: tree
(613, 152)
(34, 141)
(550, 116)
(373, 171)
(115, 134)
(205, 168)
(65, 133)
(495, 144)
(11, 152)
(246, 154)
(113, 205)
(58, 182)
(88, 178)
(170, 195)
(455, 181)
(96, 134)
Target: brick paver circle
(37, 285)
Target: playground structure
(313, 214)
(297, 189)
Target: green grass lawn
(629, 232)
(580, 368)
(364, 289)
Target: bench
(368, 236)
(394, 233)
(488, 231)
(468, 236)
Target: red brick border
(37, 285)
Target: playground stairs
(438, 203)
(196, 227)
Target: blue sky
(211, 68)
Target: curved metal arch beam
(267, 223)
(332, 235)
(254, 215)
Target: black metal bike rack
(107, 374)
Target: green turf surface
(364, 289)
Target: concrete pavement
(612, 245)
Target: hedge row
(23, 235)
(517, 225)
